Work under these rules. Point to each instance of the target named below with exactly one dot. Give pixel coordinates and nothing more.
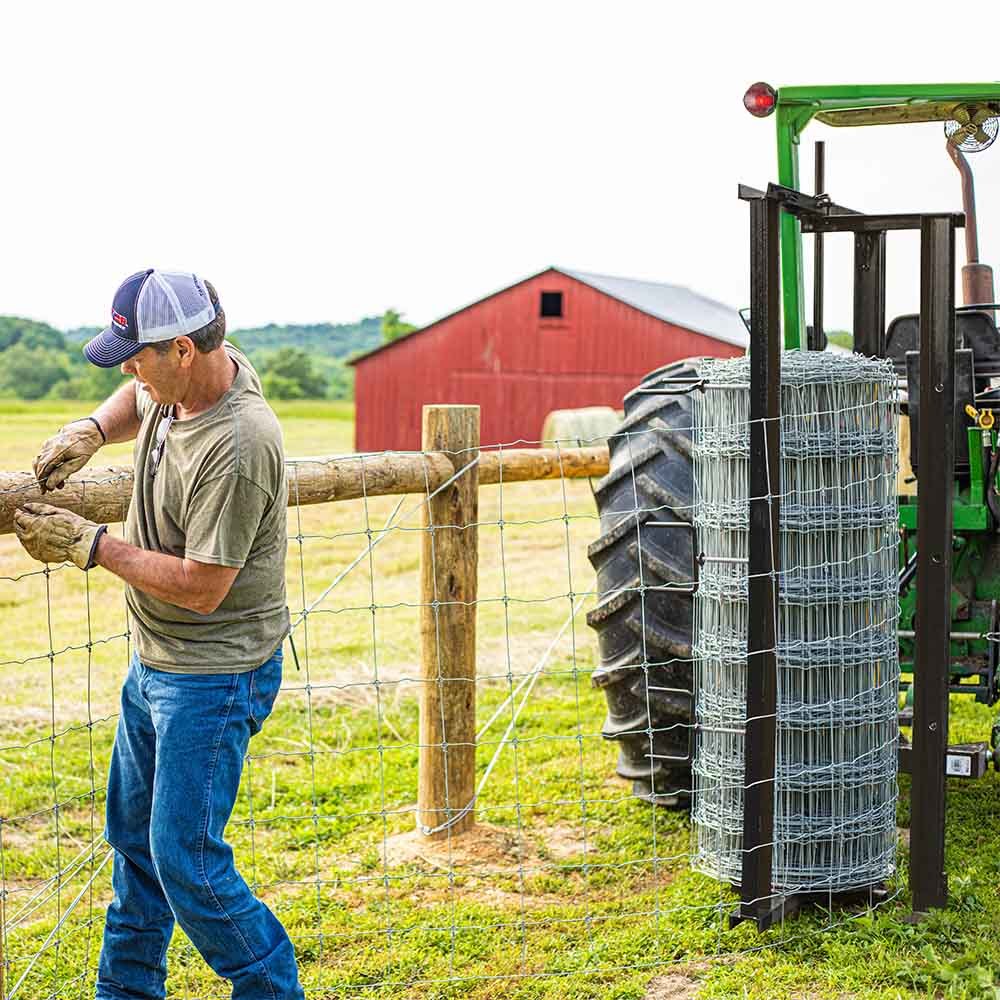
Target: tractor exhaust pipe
(977, 279)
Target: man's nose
(127, 367)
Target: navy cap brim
(107, 349)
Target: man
(203, 562)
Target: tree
(393, 326)
(88, 382)
(30, 372)
(292, 375)
(341, 381)
(29, 332)
(279, 387)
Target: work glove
(67, 452)
(53, 535)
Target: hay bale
(589, 425)
(905, 470)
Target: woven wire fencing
(837, 654)
(551, 872)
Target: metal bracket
(866, 247)
(961, 760)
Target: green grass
(602, 900)
(311, 427)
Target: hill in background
(334, 340)
(294, 360)
(308, 361)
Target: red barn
(557, 340)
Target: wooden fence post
(448, 582)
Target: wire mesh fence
(837, 655)
(552, 871)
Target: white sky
(322, 161)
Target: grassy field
(571, 889)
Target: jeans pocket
(265, 682)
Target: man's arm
(74, 445)
(186, 583)
(117, 414)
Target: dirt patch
(480, 891)
(562, 841)
(502, 899)
(672, 986)
(487, 849)
(491, 850)
(16, 838)
(20, 717)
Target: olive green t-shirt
(219, 496)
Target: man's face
(164, 375)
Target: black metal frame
(757, 900)
(928, 882)
(927, 757)
(869, 292)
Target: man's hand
(67, 452)
(53, 535)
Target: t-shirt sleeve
(222, 520)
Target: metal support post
(757, 902)
(928, 882)
(817, 336)
(869, 294)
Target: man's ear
(185, 351)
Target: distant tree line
(294, 361)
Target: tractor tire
(644, 627)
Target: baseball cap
(151, 306)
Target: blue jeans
(174, 776)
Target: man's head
(161, 322)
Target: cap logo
(119, 320)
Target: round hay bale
(586, 426)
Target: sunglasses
(161, 441)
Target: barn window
(551, 306)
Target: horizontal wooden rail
(103, 494)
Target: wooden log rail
(103, 494)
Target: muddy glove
(67, 452)
(53, 535)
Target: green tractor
(646, 556)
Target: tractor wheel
(644, 632)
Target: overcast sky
(320, 162)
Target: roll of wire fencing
(837, 656)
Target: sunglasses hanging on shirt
(166, 419)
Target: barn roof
(670, 303)
(673, 304)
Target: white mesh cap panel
(171, 304)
